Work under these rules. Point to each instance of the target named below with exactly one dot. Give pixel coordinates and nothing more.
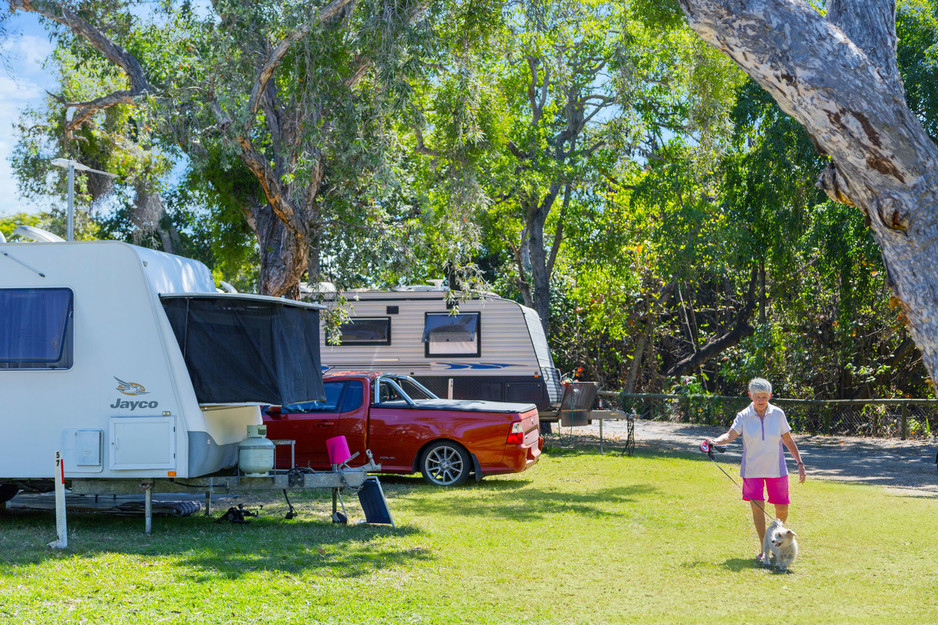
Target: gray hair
(760, 385)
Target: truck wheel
(445, 463)
(8, 492)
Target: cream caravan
(493, 348)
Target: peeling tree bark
(837, 76)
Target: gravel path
(906, 467)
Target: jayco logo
(133, 405)
(132, 389)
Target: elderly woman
(765, 430)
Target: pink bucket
(338, 449)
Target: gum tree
(836, 73)
(275, 105)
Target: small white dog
(779, 544)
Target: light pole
(71, 166)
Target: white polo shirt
(763, 450)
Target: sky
(23, 83)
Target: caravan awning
(248, 348)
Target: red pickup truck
(408, 429)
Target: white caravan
(129, 362)
(493, 348)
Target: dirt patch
(905, 467)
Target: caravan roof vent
(437, 285)
(37, 234)
(316, 288)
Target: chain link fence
(882, 418)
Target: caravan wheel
(8, 492)
(445, 463)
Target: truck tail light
(516, 435)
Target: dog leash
(708, 449)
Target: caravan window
(452, 335)
(367, 332)
(35, 328)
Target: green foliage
(917, 55)
(769, 182)
(665, 14)
(119, 140)
(8, 223)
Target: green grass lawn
(580, 538)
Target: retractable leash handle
(708, 447)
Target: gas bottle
(256, 452)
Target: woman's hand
(801, 473)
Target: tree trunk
(639, 351)
(314, 264)
(645, 339)
(535, 217)
(837, 76)
(762, 294)
(539, 275)
(523, 286)
(284, 256)
(148, 218)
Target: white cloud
(26, 87)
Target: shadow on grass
(531, 504)
(741, 564)
(731, 458)
(211, 550)
(339, 552)
(398, 484)
(514, 499)
(737, 565)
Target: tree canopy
(597, 161)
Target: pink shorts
(777, 488)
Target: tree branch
(740, 330)
(270, 183)
(558, 232)
(362, 65)
(103, 44)
(873, 29)
(421, 146)
(276, 56)
(516, 151)
(852, 108)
